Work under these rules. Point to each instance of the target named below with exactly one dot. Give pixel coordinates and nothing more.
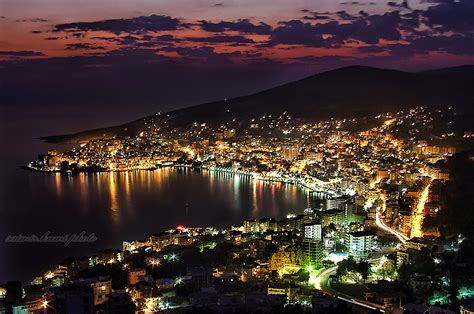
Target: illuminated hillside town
(370, 243)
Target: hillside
(346, 92)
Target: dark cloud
(357, 3)
(111, 39)
(222, 39)
(399, 5)
(140, 41)
(22, 53)
(82, 46)
(33, 20)
(440, 28)
(345, 16)
(136, 25)
(153, 41)
(362, 27)
(316, 16)
(243, 26)
(162, 38)
(451, 15)
(127, 40)
(453, 44)
(296, 32)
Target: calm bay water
(124, 206)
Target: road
(381, 224)
(322, 283)
(418, 215)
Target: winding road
(322, 283)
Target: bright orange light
(418, 216)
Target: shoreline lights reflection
(119, 191)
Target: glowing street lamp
(173, 257)
(178, 281)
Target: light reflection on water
(123, 192)
(127, 205)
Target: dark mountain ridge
(348, 92)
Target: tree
(385, 269)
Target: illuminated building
(442, 175)
(28, 306)
(431, 209)
(229, 133)
(134, 275)
(128, 246)
(234, 236)
(276, 289)
(362, 187)
(312, 231)
(394, 175)
(313, 247)
(348, 214)
(251, 225)
(161, 240)
(313, 250)
(331, 216)
(391, 211)
(267, 224)
(313, 156)
(411, 176)
(417, 243)
(183, 240)
(289, 152)
(292, 223)
(405, 222)
(403, 257)
(359, 244)
(329, 243)
(109, 256)
(83, 296)
(347, 183)
(333, 203)
(101, 290)
(382, 174)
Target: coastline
(297, 181)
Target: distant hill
(346, 92)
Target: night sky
(137, 57)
